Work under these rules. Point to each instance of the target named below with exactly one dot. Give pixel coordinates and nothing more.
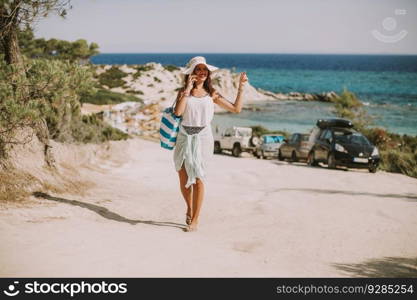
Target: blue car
(269, 145)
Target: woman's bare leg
(186, 193)
(198, 196)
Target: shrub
(399, 162)
(49, 92)
(135, 92)
(156, 79)
(91, 129)
(140, 69)
(17, 109)
(348, 106)
(171, 68)
(112, 78)
(216, 81)
(107, 97)
(260, 130)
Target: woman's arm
(232, 107)
(182, 95)
(180, 103)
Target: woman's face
(201, 71)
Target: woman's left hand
(243, 78)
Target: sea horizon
(261, 53)
(385, 83)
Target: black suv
(338, 144)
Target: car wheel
(294, 157)
(263, 155)
(280, 157)
(217, 148)
(236, 150)
(310, 160)
(372, 168)
(254, 141)
(331, 162)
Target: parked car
(269, 145)
(236, 139)
(338, 144)
(295, 148)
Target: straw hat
(189, 68)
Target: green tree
(348, 106)
(17, 14)
(78, 51)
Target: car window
(323, 134)
(305, 137)
(351, 138)
(270, 139)
(328, 135)
(294, 138)
(242, 132)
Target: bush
(348, 106)
(140, 69)
(399, 162)
(49, 92)
(108, 97)
(260, 130)
(112, 78)
(171, 68)
(135, 92)
(59, 84)
(91, 129)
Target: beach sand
(260, 218)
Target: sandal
(188, 220)
(190, 228)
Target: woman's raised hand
(243, 79)
(190, 82)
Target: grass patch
(140, 69)
(109, 97)
(112, 78)
(399, 162)
(260, 130)
(94, 130)
(134, 92)
(14, 185)
(171, 68)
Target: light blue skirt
(195, 152)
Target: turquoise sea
(387, 84)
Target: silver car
(268, 145)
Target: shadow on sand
(397, 267)
(105, 213)
(409, 197)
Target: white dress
(195, 150)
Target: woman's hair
(206, 85)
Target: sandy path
(261, 218)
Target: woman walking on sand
(194, 146)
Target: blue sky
(240, 26)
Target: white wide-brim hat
(189, 68)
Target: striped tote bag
(168, 131)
